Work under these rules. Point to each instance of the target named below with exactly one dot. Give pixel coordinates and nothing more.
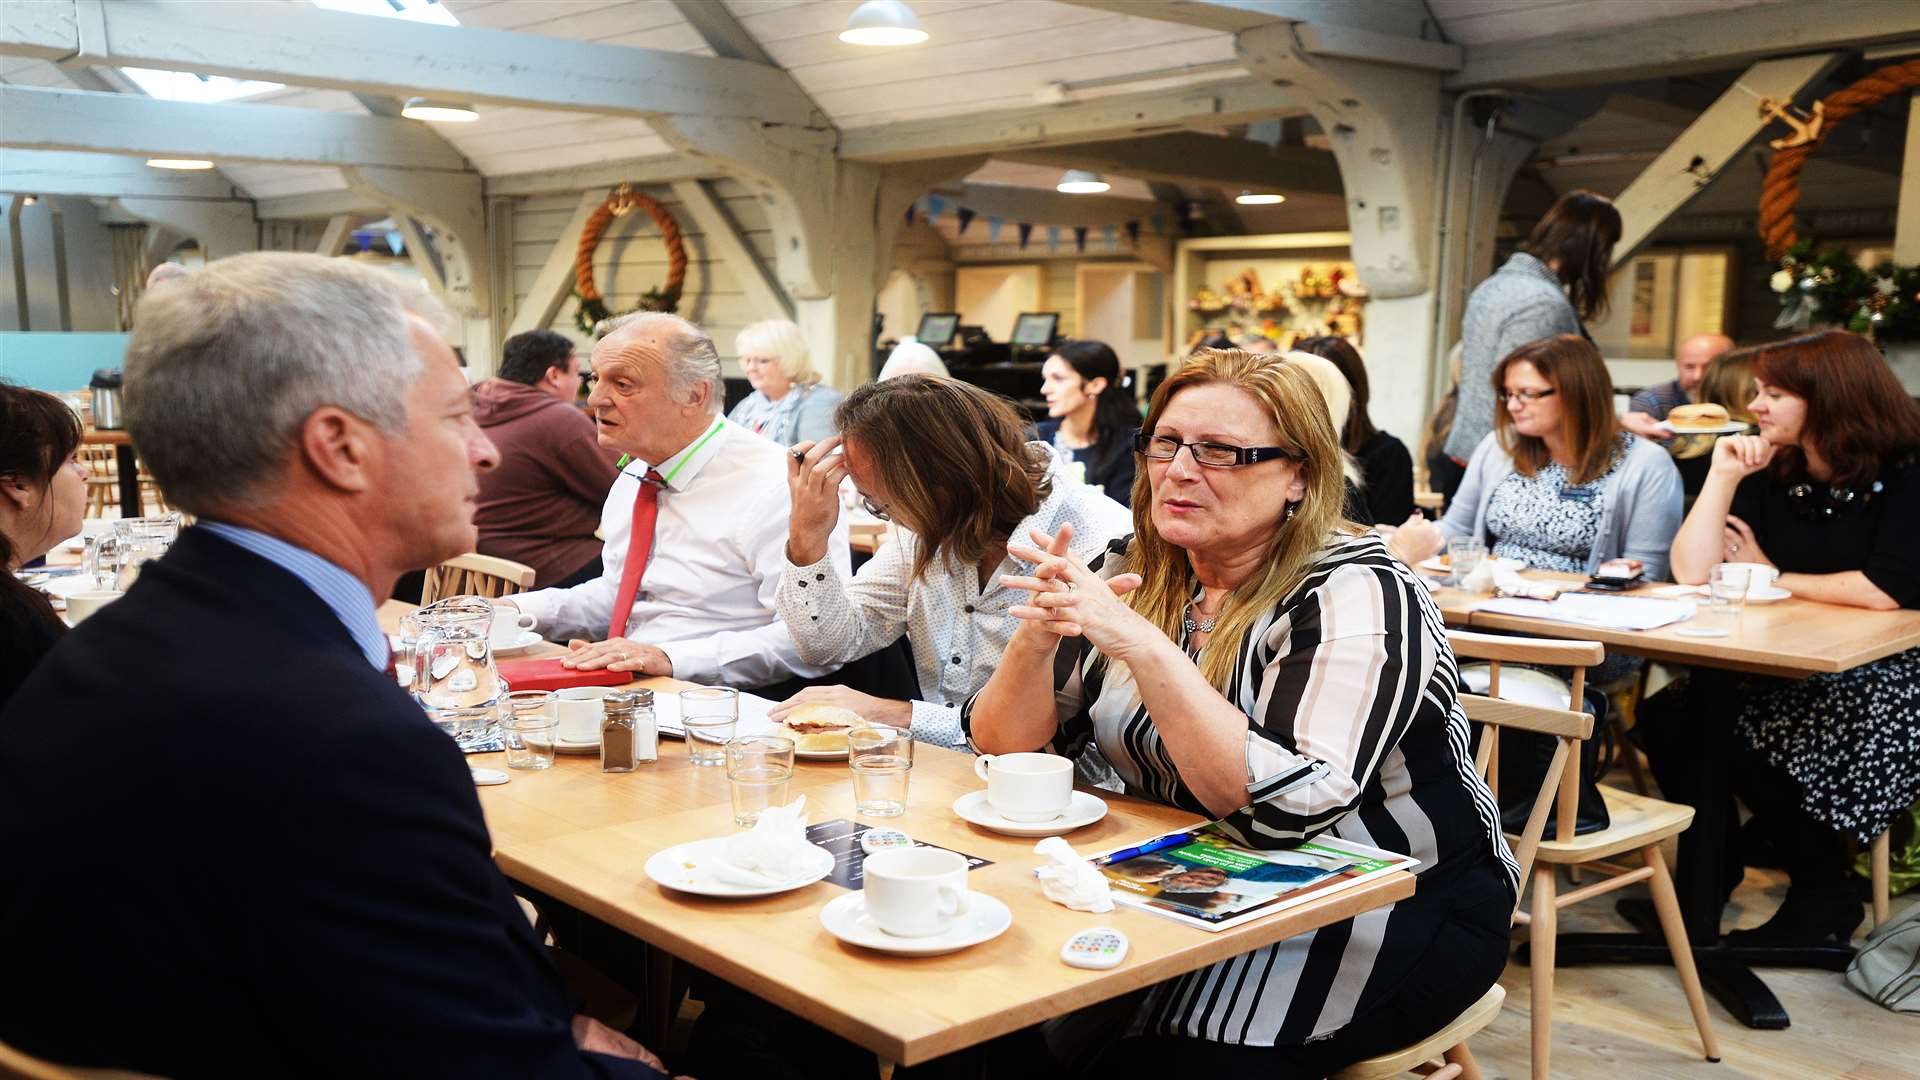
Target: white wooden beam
(334, 240)
(1191, 157)
(657, 169)
(726, 242)
(451, 203)
(793, 171)
(100, 176)
(1906, 232)
(45, 119)
(1235, 101)
(221, 228)
(1356, 43)
(555, 281)
(1705, 42)
(900, 186)
(722, 32)
(1695, 159)
(307, 46)
(1380, 16)
(1042, 206)
(319, 204)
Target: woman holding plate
(1250, 655)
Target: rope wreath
(593, 306)
(1780, 191)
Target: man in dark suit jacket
(234, 846)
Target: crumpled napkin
(1499, 577)
(1071, 880)
(773, 852)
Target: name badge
(1582, 495)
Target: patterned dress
(1547, 522)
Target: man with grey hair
(696, 524)
(251, 852)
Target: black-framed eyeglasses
(874, 508)
(1527, 397)
(1214, 455)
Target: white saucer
(846, 918)
(1085, 809)
(570, 746)
(684, 868)
(1768, 595)
(527, 639)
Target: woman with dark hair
(1091, 416)
(1559, 483)
(1829, 495)
(1385, 465)
(1556, 281)
(43, 498)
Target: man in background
(1651, 405)
(541, 504)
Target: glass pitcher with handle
(134, 543)
(452, 654)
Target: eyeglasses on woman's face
(1524, 397)
(1214, 455)
(874, 508)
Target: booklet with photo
(1202, 877)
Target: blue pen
(1148, 848)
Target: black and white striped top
(1350, 672)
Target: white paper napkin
(773, 852)
(1070, 880)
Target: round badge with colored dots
(882, 839)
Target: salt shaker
(627, 734)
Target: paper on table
(753, 715)
(1606, 612)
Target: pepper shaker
(627, 733)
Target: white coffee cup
(1026, 787)
(1759, 576)
(915, 892)
(81, 605)
(508, 625)
(578, 710)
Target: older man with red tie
(696, 524)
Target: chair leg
(1882, 889)
(1546, 917)
(1628, 752)
(1667, 903)
(1463, 1057)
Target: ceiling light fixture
(1082, 182)
(181, 164)
(883, 22)
(1259, 198)
(438, 112)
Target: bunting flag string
(935, 205)
(1110, 237)
(1158, 223)
(965, 217)
(1053, 238)
(1026, 233)
(1080, 238)
(1133, 232)
(910, 209)
(993, 229)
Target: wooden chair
(1448, 1044)
(1637, 826)
(103, 478)
(16, 1063)
(476, 575)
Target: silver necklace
(1204, 626)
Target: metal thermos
(106, 399)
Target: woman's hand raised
(1740, 456)
(814, 472)
(1069, 600)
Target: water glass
(882, 759)
(1464, 555)
(758, 769)
(1727, 589)
(469, 725)
(528, 724)
(709, 714)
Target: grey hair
(692, 358)
(225, 365)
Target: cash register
(1012, 368)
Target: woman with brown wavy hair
(1251, 655)
(1828, 494)
(43, 498)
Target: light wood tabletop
(865, 537)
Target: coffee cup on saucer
(578, 710)
(915, 892)
(508, 625)
(1760, 576)
(1026, 787)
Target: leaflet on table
(1590, 609)
(753, 715)
(1204, 878)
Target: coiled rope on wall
(1780, 191)
(592, 306)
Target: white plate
(1768, 595)
(1731, 427)
(1084, 810)
(846, 918)
(570, 746)
(526, 640)
(66, 585)
(684, 868)
(1435, 566)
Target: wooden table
(128, 466)
(1791, 638)
(865, 537)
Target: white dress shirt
(958, 629)
(719, 544)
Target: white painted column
(1906, 232)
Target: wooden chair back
(17, 1063)
(1561, 784)
(476, 575)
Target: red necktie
(646, 508)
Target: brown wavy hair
(954, 459)
(1300, 414)
(1858, 414)
(1728, 383)
(1579, 233)
(1572, 366)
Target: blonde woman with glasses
(789, 403)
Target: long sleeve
(586, 609)
(1463, 514)
(1389, 474)
(835, 621)
(813, 420)
(1653, 511)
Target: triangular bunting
(1079, 238)
(1026, 233)
(965, 217)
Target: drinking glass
(709, 714)
(882, 758)
(1727, 590)
(758, 769)
(1464, 554)
(137, 541)
(527, 726)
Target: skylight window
(426, 11)
(186, 86)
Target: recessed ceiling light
(1259, 198)
(883, 22)
(439, 112)
(1082, 182)
(182, 164)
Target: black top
(26, 635)
(1805, 529)
(1109, 460)
(243, 850)
(1388, 469)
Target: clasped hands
(1065, 599)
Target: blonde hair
(783, 341)
(1287, 391)
(912, 358)
(1338, 393)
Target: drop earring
(1292, 509)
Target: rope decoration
(593, 307)
(1780, 191)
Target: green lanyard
(688, 456)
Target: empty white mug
(81, 605)
(915, 892)
(508, 625)
(1026, 787)
(578, 710)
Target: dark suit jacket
(233, 847)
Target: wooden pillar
(1906, 232)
